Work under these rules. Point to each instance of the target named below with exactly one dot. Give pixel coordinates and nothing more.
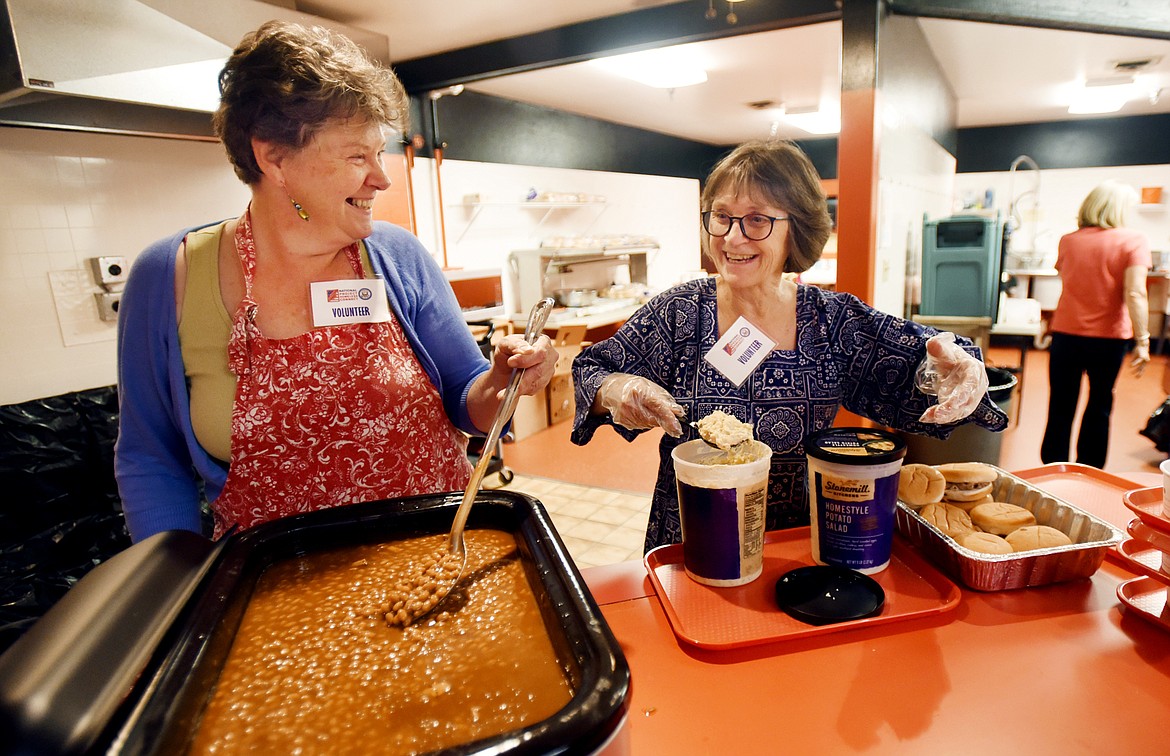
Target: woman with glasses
(756, 344)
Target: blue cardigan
(163, 473)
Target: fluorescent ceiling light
(815, 121)
(666, 68)
(1103, 95)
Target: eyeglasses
(755, 226)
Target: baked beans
(421, 592)
(314, 667)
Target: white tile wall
(66, 197)
(917, 176)
(1060, 195)
(663, 207)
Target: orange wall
(396, 204)
(857, 166)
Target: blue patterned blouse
(847, 354)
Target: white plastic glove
(638, 404)
(958, 379)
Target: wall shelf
(549, 208)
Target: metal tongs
(420, 599)
(455, 545)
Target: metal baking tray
(1091, 538)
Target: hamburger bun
(948, 518)
(986, 543)
(919, 485)
(967, 481)
(1036, 537)
(967, 506)
(1001, 518)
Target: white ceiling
(1000, 74)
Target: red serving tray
(747, 615)
(1146, 503)
(1142, 558)
(1158, 539)
(1095, 491)
(1146, 597)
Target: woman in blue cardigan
(301, 355)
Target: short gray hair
(778, 172)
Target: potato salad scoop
(722, 430)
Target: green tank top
(204, 329)
(205, 326)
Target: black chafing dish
(125, 662)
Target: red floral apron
(338, 415)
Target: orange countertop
(1053, 669)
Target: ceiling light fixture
(814, 120)
(665, 68)
(1105, 95)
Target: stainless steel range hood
(145, 67)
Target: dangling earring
(300, 210)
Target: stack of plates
(1147, 551)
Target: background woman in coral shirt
(1102, 306)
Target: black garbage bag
(1158, 427)
(60, 515)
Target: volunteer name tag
(739, 351)
(361, 300)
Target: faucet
(1014, 221)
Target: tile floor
(598, 525)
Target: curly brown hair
(284, 82)
(779, 173)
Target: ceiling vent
(762, 104)
(146, 67)
(1133, 65)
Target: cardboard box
(560, 398)
(565, 360)
(531, 414)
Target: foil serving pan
(1091, 538)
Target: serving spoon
(416, 599)
(706, 436)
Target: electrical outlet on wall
(109, 272)
(108, 303)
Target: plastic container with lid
(722, 512)
(853, 495)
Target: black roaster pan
(126, 661)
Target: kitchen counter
(600, 321)
(592, 317)
(1053, 669)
